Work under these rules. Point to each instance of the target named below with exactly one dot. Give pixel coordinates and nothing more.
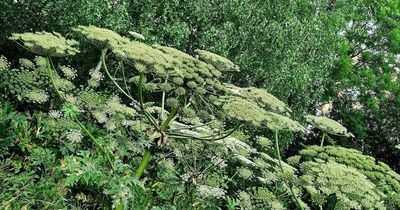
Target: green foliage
(312, 53)
(365, 96)
(13, 130)
(200, 153)
(40, 15)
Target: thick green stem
(169, 118)
(322, 140)
(163, 103)
(50, 72)
(140, 90)
(278, 154)
(143, 165)
(162, 106)
(95, 142)
(103, 61)
(91, 137)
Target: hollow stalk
(278, 154)
(322, 140)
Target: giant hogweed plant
(178, 88)
(184, 83)
(167, 65)
(178, 76)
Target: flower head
(279, 122)
(69, 72)
(47, 44)
(4, 64)
(328, 125)
(242, 109)
(208, 191)
(101, 37)
(218, 61)
(74, 136)
(259, 96)
(137, 35)
(36, 96)
(265, 99)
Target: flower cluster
(95, 77)
(260, 198)
(4, 64)
(259, 96)
(69, 72)
(246, 110)
(218, 61)
(101, 37)
(279, 122)
(35, 96)
(264, 99)
(47, 44)
(352, 189)
(167, 68)
(387, 180)
(208, 191)
(28, 82)
(328, 125)
(242, 109)
(74, 136)
(55, 114)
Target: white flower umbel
(208, 191)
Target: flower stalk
(91, 137)
(143, 164)
(322, 140)
(278, 154)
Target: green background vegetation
(306, 53)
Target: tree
(366, 92)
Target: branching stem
(103, 61)
(91, 137)
(50, 72)
(95, 142)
